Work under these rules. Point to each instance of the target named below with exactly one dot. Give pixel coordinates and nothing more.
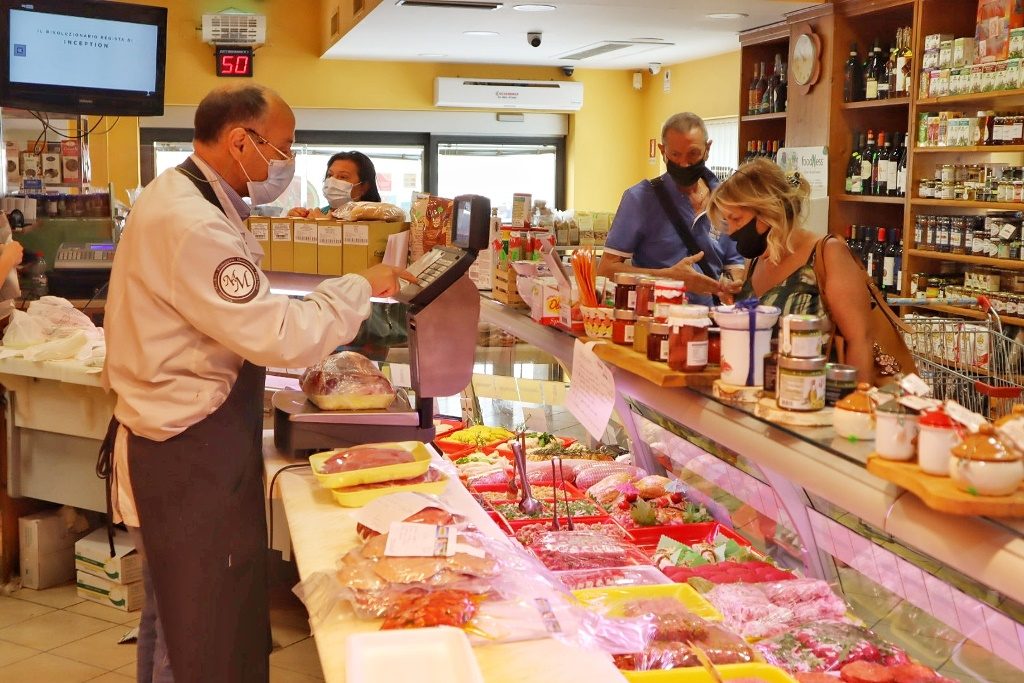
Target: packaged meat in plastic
(592, 475)
(581, 579)
(540, 472)
(827, 646)
(347, 381)
(652, 486)
(424, 609)
(370, 211)
(563, 550)
(767, 609)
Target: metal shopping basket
(971, 361)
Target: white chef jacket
(188, 304)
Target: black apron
(201, 505)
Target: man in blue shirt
(644, 239)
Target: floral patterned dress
(797, 294)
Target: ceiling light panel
(449, 4)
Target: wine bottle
(853, 78)
(898, 241)
(908, 61)
(853, 184)
(885, 66)
(892, 151)
(878, 257)
(780, 95)
(853, 241)
(889, 263)
(752, 92)
(901, 169)
(867, 151)
(901, 62)
(868, 251)
(879, 159)
(871, 69)
(759, 88)
(766, 98)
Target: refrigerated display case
(945, 587)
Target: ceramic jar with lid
(938, 434)
(982, 466)
(896, 428)
(854, 416)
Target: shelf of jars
(871, 199)
(964, 204)
(1000, 97)
(968, 313)
(771, 116)
(989, 149)
(1009, 264)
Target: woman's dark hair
(367, 173)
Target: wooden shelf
(777, 116)
(959, 204)
(1000, 96)
(969, 313)
(1008, 264)
(626, 358)
(993, 149)
(870, 199)
(877, 104)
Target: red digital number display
(234, 63)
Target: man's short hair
(684, 123)
(229, 107)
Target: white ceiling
(397, 33)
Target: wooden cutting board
(940, 493)
(657, 373)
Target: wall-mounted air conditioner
(491, 93)
(234, 28)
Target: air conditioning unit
(235, 28)
(490, 93)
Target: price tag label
(913, 384)
(919, 403)
(967, 418)
(407, 539)
(381, 513)
(1013, 431)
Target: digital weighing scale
(443, 317)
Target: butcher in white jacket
(190, 325)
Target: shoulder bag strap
(672, 212)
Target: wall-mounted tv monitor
(83, 57)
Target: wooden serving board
(768, 409)
(657, 373)
(940, 493)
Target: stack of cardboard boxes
(47, 164)
(111, 581)
(323, 246)
(47, 549)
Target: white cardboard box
(92, 556)
(47, 550)
(128, 597)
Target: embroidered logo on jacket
(236, 280)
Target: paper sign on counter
(592, 390)
(381, 513)
(401, 375)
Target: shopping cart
(975, 362)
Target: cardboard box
(946, 54)
(304, 239)
(522, 206)
(31, 166)
(328, 247)
(363, 243)
(963, 51)
(933, 41)
(995, 19)
(47, 548)
(92, 556)
(281, 247)
(13, 165)
(52, 169)
(127, 597)
(259, 226)
(930, 60)
(481, 272)
(71, 162)
(1016, 43)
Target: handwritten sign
(592, 390)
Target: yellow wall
(605, 156)
(708, 87)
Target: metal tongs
(528, 505)
(557, 481)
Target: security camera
(533, 38)
(654, 68)
(568, 70)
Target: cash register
(81, 269)
(443, 317)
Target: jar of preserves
(667, 293)
(919, 285)
(934, 288)
(801, 384)
(644, 296)
(714, 346)
(947, 173)
(623, 327)
(946, 191)
(688, 338)
(926, 188)
(840, 380)
(657, 342)
(942, 234)
(920, 230)
(641, 329)
(800, 336)
(625, 291)
(931, 236)
(957, 234)
(771, 371)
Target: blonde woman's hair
(762, 187)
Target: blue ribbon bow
(750, 306)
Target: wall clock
(806, 60)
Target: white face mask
(337, 191)
(279, 176)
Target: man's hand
(298, 212)
(383, 279)
(695, 282)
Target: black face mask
(749, 242)
(685, 175)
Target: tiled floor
(53, 636)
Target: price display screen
(234, 62)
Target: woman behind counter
(350, 177)
(762, 210)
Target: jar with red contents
(688, 338)
(644, 296)
(623, 327)
(657, 342)
(625, 291)
(714, 346)
(667, 293)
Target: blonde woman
(762, 211)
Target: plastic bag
(347, 381)
(767, 609)
(23, 331)
(564, 550)
(827, 646)
(57, 316)
(580, 579)
(370, 211)
(57, 349)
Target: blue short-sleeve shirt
(643, 233)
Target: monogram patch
(236, 280)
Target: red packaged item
(730, 572)
(992, 31)
(416, 609)
(828, 646)
(619, 576)
(563, 550)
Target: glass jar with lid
(667, 293)
(623, 327)
(644, 296)
(688, 338)
(657, 342)
(801, 385)
(625, 291)
(641, 328)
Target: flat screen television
(83, 57)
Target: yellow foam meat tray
(728, 672)
(355, 499)
(372, 475)
(613, 598)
